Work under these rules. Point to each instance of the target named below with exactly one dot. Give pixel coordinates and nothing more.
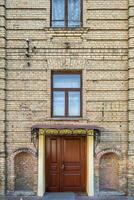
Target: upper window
(66, 94)
(66, 13)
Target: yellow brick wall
(99, 49)
(131, 99)
(2, 95)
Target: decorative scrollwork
(51, 131)
(42, 131)
(65, 131)
(90, 132)
(79, 131)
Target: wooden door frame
(89, 162)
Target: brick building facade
(102, 49)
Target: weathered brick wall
(99, 49)
(2, 95)
(24, 164)
(131, 99)
(109, 172)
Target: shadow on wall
(109, 172)
(25, 177)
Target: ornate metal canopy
(66, 129)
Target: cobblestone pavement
(78, 197)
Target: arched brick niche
(24, 170)
(24, 164)
(109, 172)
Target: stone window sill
(66, 119)
(67, 30)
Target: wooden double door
(65, 164)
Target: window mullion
(80, 102)
(66, 103)
(66, 13)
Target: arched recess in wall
(25, 171)
(109, 172)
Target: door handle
(63, 166)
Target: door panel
(52, 164)
(72, 159)
(71, 150)
(65, 164)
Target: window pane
(74, 103)
(58, 103)
(58, 13)
(58, 24)
(66, 81)
(73, 13)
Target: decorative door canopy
(66, 130)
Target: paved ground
(104, 198)
(78, 197)
(59, 195)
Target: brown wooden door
(65, 164)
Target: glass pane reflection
(73, 13)
(74, 103)
(58, 103)
(58, 13)
(58, 24)
(66, 81)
